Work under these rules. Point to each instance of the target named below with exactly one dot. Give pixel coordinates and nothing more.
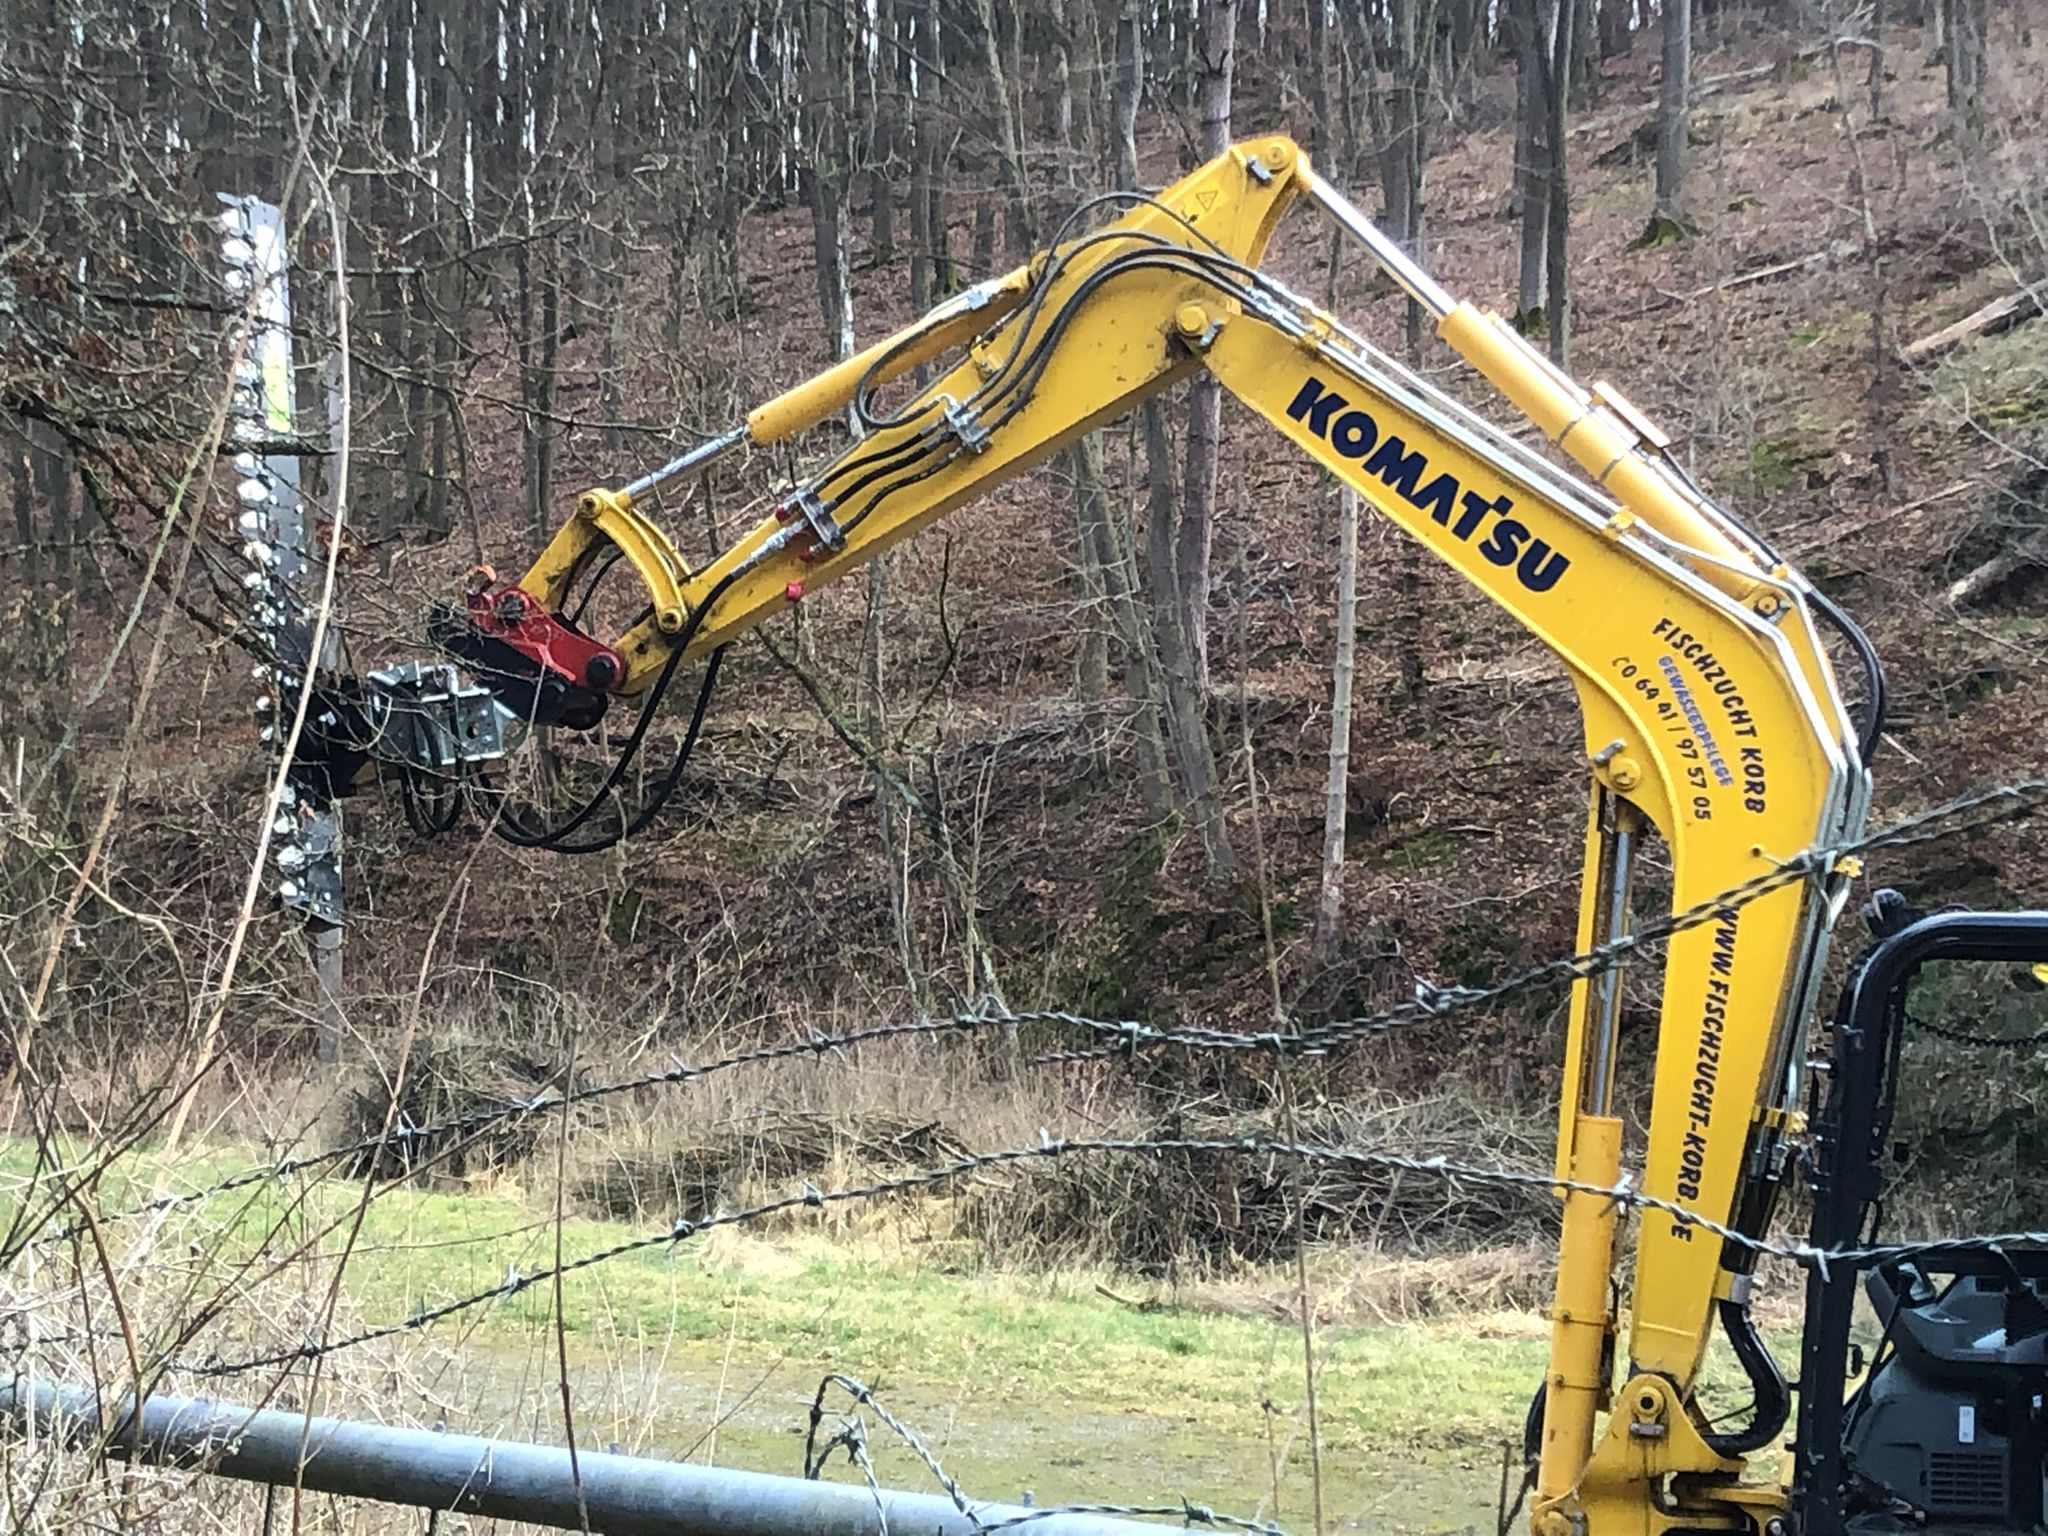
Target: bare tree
(1531, 191)
(1674, 99)
(1329, 930)
(1963, 26)
(1563, 24)
(1216, 63)
(1401, 127)
(1021, 231)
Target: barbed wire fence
(416, 1148)
(391, 1159)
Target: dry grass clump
(845, 1117)
(153, 1305)
(1180, 1208)
(460, 1072)
(1353, 1285)
(691, 1179)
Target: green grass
(1030, 1380)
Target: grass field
(1074, 1385)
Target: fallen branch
(1739, 280)
(1837, 534)
(2000, 567)
(2001, 314)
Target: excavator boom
(1710, 710)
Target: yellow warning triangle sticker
(1206, 199)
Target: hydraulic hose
(1871, 726)
(1773, 1397)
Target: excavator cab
(1941, 1427)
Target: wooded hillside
(1072, 749)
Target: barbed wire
(852, 1437)
(1123, 1037)
(2018, 798)
(1049, 1148)
(1188, 1513)
(864, 1395)
(1965, 1037)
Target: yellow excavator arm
(1711, 712)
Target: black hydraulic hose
(1019, 379)
(864, 390)
(1773, 1397)
(1029, 353)
(552, 837)
(508, 828)
(432, 805)
(597, 576)
(1532, 1424)
(1871, 726)
(879, 462)
(658, 801)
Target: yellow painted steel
(1581, 1322)
(605, 520)
(1707, 704)
(952, 324)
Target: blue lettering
(1440, 497)
(1541, 566)
(1315, 404)
(1354, 433)
(1397, 466)
(1504, 544)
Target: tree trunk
(1337, 783)
(1617, 37)
(1091, 646)
(1556, 245)
(1020, 234)
(1060, 106)
(1403, 132)
(1216, 61)
(1186, 723)
(1673, 121)
(981, 258)
(1106, 539)
(1963, 26)
(1317, 68)
(1127, 87)
(1532, 153)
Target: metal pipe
(698, 456)
(1395, 262)
(507, 1480)
(1614, 922)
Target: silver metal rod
(697, 457)
(506, 1480)
(1614, 922)
(1395, 262)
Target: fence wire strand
(1125, 1037)
(1049, 1149)
(852, 1436)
